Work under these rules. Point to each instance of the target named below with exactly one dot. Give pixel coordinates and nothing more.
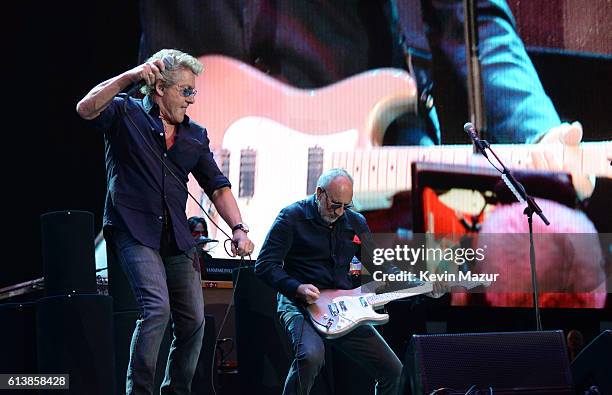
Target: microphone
(480, 144)
(202, 241)
(168, 64)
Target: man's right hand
(307, 293)
(148, 72)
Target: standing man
(151, 146)
(310, 247)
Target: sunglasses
(187, 91)
(336, 205)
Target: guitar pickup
(333, 309)
(343, 305)
(363, 301)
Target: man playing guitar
(310, 247)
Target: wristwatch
(242, 227)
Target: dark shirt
(302, 249)
(142, 195)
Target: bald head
(329, 175)
(341, 186)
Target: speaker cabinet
(17, 340)
(74, 336)
(68, 252)
(506, 362)
(262, 363)
(202, 381)
(593, 365)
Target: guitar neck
(380, 172)
(388, 168)
(382, 299)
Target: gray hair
(329, 175)
(174, 60)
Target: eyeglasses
(336, 205)
(187, 91)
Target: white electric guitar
(273, 140)
(337, 312)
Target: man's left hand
(241, 244)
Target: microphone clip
(481, 145)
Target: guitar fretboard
(382, 299)
(388, 168)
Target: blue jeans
(364, 345)
(164, 287)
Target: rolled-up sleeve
(517, 107)
(107, 117)
(269, 265)
(206, 172)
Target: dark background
(52, 160)
(56, 51)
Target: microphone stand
(532, 207)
